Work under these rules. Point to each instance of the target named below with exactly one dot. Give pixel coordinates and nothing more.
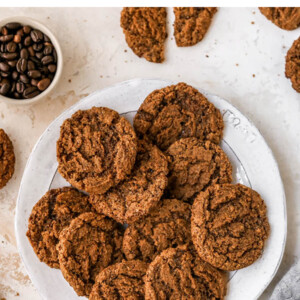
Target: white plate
(253, 164)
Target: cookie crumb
(70, 80)
(125, 50)
(237, 65)
(207, 56)
(253, 75)
(252, 22)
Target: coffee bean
(13, 87)
(3, 47)
(20, 86)
(20, 32)
(4, 67)
(17, 38)
(11, 47)
(9, 56)
(4, 31)
(39, 55)
(48, 49)
(13, 26)
(46, 38)
(47, 59)
(24, 78)
(34, 74)
(12, 63)
(36, 61)
(31, 51)
(52, 68)
(24, 53)
(55, 55)
(4, 74)
(27, 41)
(30, 65)
(15, 75)
(34, 82)
(17, 95)
(36, 35)
(26, 29)
(5, 89)
(30, 92)
(43, 84)
(37, 47)
(6, 38)
(22, 65)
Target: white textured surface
(93, 47)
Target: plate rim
(168, 82)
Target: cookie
(7, 159)
(287, 18)
(292, 65)
(49, 216)
(178, 273)
(124, 280)
(194, 165)
(191, 24)
(175, 112)
(229, 226)
(145, 30)
(132, 199)
(96, 149)
(88, 245)
(168, 225)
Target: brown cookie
(168, 225)
(132, 199)
(191, 24)
(194, 165)
(124, 280)
(49, 216)
(145, 30)
(292, 65)
(229, 226)
(175, 112)
(96, 149)
(179, 273)
(7, 159)
(287, 18)
(88, 245)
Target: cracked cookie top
(175, 112)
(96, 149)
(292, 65)
(167, 225)
(145, 31)
(88, 245)
(229, 226)
(193, 166)
(191, 24)
(123, 280)
(179, 273)
(49, 216)
(133, 198)
(7, 159)
(287, 18)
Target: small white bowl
(37, 25)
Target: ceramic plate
(253, 165)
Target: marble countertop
(241, 59)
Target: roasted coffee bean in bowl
(30, 60)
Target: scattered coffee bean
(28, 61)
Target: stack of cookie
(152, 212)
